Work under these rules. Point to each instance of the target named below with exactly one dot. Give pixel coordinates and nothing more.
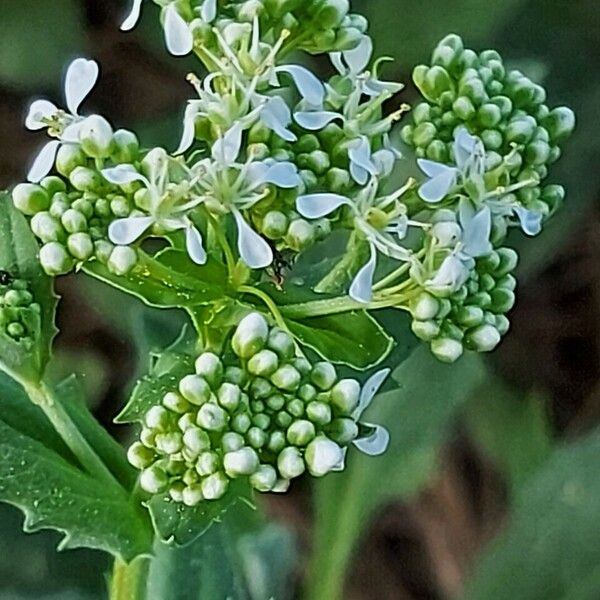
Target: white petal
(432, 168)
(71, 134)
(134, 16)
(283, 175)
(361, 289)
(81, 77)
(315, 206)
(38, 110)
(336, 61)
(370, 388)
(178, 35)
(360, 156)
(227, 148)
(531, 222)
(360, 175)
(194, 245)
(438, 187)
(128, 230)
(122, 175)
(384, 161)
(253, 249)
(465, 146)
(189, 128)
(309, 87)
(450, 276)
(374, 87)
(476, 233)
(342, 464)
(376, 443)
(358, 58)
(208, 12)
(276, 115)
(313, 121)
(44, 162)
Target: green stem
(320, 308)
(44, 397)
(247, 289)
(129, 581)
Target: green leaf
(551, 548)
(19, 257)
(418, 415)
(54, 494)
(512, 427)
(158, 282)
(176, 523)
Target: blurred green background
(491, 487)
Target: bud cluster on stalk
(19, 313)
(258, 412)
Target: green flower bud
(502, 300)
(508, 261)
(186, 421)
(157, 418)
(275, 402)
(53, 185)
(231, 441)
(463, 108)
(286, 378)
(84, 179)
(263, 363)
(30, 198)
(274, 225)
(176, 491)
(169, 443)
(424, 134)
(215, 486)
(125, 147)
(281, 342)
(425, 330)
(207, 463)
(264, 479)
(560, 123)
(192, 495)
(139, 456)
(241, 462)
(229, 396)
(290, 463)
(122, 260)
(195, 440)
(345, 395)
(307, 392)
(489, 115)
(343, 431)
(80, 246)
(175, 403)
(520, 131)
(74, 221)
(469, 316)
(284, 419)
(322, 456)
(235, 375)
(256, 437)
(446, 349)
(147, 437)
(295, 407)
(54, 259)
(47, 228)
(425, 307)
(323, 375)
(120, 206)
(300, 432)
(300, 235)
(319, 413)
(250, 336)
(154, 480)
(483, 338)
(260, 388)
(96, 137)
(103, 250)
(212, 417)
(68, 158)
(241, 423)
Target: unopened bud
(241, 462)
(54, 259)
(96, 137)
(212, 417)
(195, 389)
(322, 456)
(250, 336)
(122, 260)
(345, 395)
(324, 375)
(209, 366)
(215, 486)
(264, 479)
(290, 463)
(154, 480)
(30, 198)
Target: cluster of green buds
(19, 314)
(259, 412)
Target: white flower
(382, 221)
(80, 79)
(469, 156)
(168, 205)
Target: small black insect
(6, 278)
(281, 265)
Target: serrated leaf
(176, 523)
(551, 548)
(54, 494)
(19, 257)
(417, 415)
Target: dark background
(428, 545)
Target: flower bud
(139, 456)
(241, 423)
(345, 395)
(169, 443)
(176, 491)
(290, 463)
(319, 412)
(283, 419)
(84, 179)
(125, 147)
(74, 221)
(192, 495)
(425, 330)
(47, 228)
(231, 441)
(235, 375)
(196, 440)
(103, 250)
(215, 486)
(263, 363)
(207, 463)
(53, 185)
(157, 418)
(250, 336)
(281, 342)
(229, 396)
(274, 225)
(300, 432)
(54, 259)
(96, 137)
(300, 235)
(212, 417)
(446, 349)
(295, 407)
(122, 260)
(323, 375)
(264, 479)
(120, 206)
(195, 389)
(69, 157)
(307, 392)
(322, 456)
(153, 480)
(286, 378)
(80, 246)
(209, 366)
(30, 198)
(241, 462)
(256, 437)
(483, 338)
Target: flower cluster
(259, 412)
(19, 314)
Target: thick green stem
(129, 581)
(44, 397)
